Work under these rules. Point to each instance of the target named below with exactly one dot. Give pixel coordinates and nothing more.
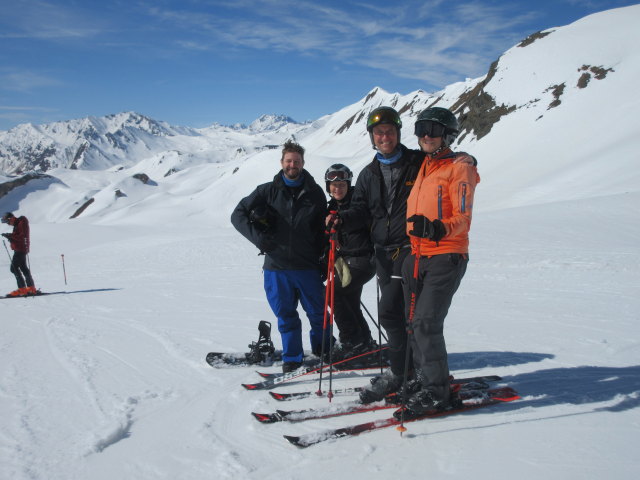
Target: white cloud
(25, 81)
(45, 20)
(431, 41)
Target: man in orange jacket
(438, 221)
(20, 242)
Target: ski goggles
(430, 129)
(384, 117)
(336, 176)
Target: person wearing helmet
(20, 243)
(284, 219)
(438, 220)
(380, 200)
(354, 258)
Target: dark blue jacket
(297, 230)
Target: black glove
(425, 228)
(333, 221)
(7, 236)
(266, 244)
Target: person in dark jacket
(380, 198)
(20, 244)
(354, 255)
(284, 218)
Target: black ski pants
(20, 269)
(391, 310)
(438, 278)
(351, 323)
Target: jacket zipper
(463, 201)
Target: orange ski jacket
(443, 190)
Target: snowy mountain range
(547, 96)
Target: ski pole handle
(331, 227)
(64, 270)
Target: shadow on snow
(579, 386)
(477, 360)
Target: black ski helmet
(263, 217)
(445, 118)
(6, 217)
(337, 172)
(380, 116)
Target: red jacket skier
(20, 244)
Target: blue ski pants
(285, 288)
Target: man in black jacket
(380, 198)
(285, 220)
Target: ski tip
(211, 358)
(250, 386)
(293, 440)
(277, 396)
(507, 398)
(263, 417)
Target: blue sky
(196, 62)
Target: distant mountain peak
(271, 122)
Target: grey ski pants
(439, 277)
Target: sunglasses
(430, 129)
(336, 176)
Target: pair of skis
(492, 397)
(474, 393)
(29, 295)
(467, 388)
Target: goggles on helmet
(336, 176)
(385, 116)
(429, 128)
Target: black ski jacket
(297, 233)
(354, 239)
(371, 204)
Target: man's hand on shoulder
(464, 157)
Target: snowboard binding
(262, 350)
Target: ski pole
(64, 270)
(8, 254)
(333, 291)
(412, 311)
(380, 335)
(379, 329)
(328, 302)
(374, 322)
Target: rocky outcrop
(84, 206)
(477, 110)
(7, 187)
